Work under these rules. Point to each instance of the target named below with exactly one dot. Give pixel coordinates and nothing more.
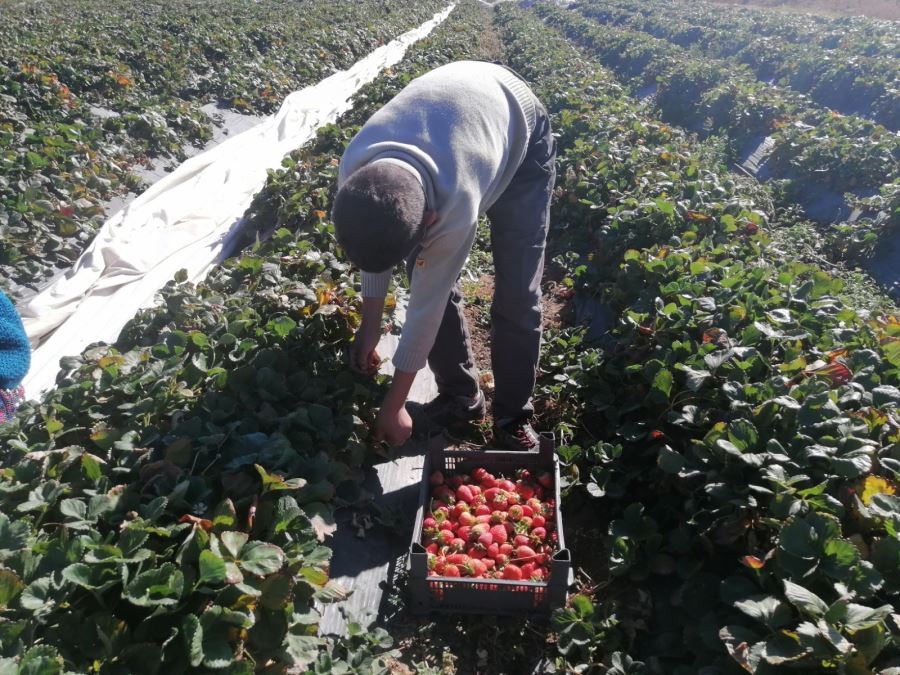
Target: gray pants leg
(519, 223)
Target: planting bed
(728, 450)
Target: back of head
(378, 215)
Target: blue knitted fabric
(15, 352)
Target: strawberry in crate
(489, 527)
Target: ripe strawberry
(455, 481)
(482, 510)
(535, 505)
(458, 509)
(526, 524)
(501, 559)
(512, 498)
(479, 473)
(524, 490)
(457, 558)
(467, 519)
(475, 568)
(499, 533)
(451, 571)
(527, 570)
(525, 553)
(527, 511)
(521, 540)
(538, 534)
(537, 574)
(507, 485)
(498, 517)
(458, 544)
(446, 525)
(444, 537)
(491, 494)
(436, 478)
(464, 494)
(493, 550)
(485, 540)
(488, 482)
(489, 563)
(506, 549)
(479, 529)
(432, 549)
(483, 518)
(523, 474)
(476, 490)
(516, 512)
(538, 521)
(444, 493)
(464, 532)
(476, 553)
(513, 572)
(429, 524)
(545, 480)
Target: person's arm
(364, 357)
(394, 424)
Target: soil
(557, 308)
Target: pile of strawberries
(488, 527)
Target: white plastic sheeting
(184, 221)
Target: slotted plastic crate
(487, 596)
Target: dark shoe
(447, 410)
(516, 435)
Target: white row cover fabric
(184, 221)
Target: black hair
(378, 215)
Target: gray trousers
(519, 221)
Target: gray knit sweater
(462, 130)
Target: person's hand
(363, 355)
(393, 425)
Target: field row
(818, 154)
(88, 94)
(733, 443)
(854, 73)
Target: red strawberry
(507, 485)
(488, 482)
(521, 540)
(535, 505)
(458, 509)
(482, 510)
(498, 532)
(523, 474)
(485, 540)
(455, 481)
(479, 473)
(506, 549)
(538, 521)
(432, 549)
(493, 550)
(516, 512)
(537, 574)
(525, 553)
(491, 494)
(524, 490)
(458, 544)
(527, 570)
(501, 559)
(457, 558)
(498, 517)
(446, 525)
(429, 524)
(444, 493)
(489, 563)
(475, 568)
(436, 478)
(483, 518)
(526, 524)
(444, 537)
(513, 572)
(538, 534)
(464, 493)
(464, 532)
(476, 552)
(527, 511)
(451, 571)
(467, 519)
(546, 480)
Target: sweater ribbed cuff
(409, 360)
(525, 98)
(375, 285)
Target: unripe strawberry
(527, 523)
(436, 478)
(512, 572)
(440, 513)
(499, 533)
(451, 571)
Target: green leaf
(10, 587)
(669, 461)
(212, 569)
(261, 559)
(804, 600)
(41, 660)
(282, 326)
(192, 632)
(156, 587)
(303, 650)
(767, 609)
(234, 542)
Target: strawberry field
(729, 444)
